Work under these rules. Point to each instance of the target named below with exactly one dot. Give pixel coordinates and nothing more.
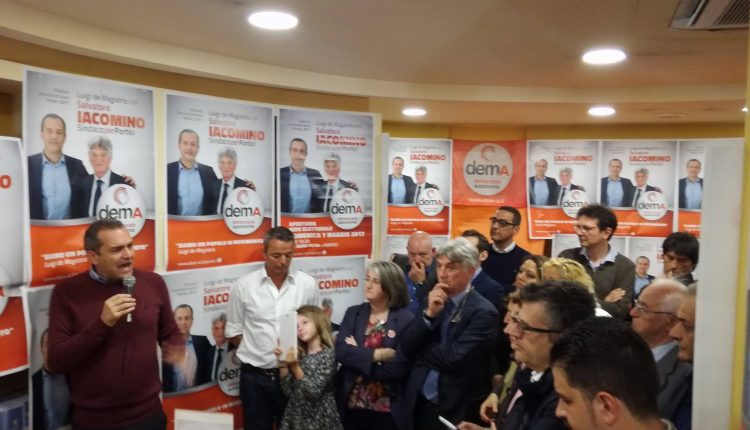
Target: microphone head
(129, 283)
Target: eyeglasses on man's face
(524, 327)
(641, 308)
(501, 222)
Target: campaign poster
(489, 173)
(90, 147)
(637, 183)
(649, 250)
(341, 282)
(12, 332)
(561, 242)
(325, 191)
(219, 180)
(691, 163)
(561, 180)
(204, 295)
(14, 227)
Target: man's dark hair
(605, 354)
(91, 240)
(604, 217)
(279, 233)
(683, 245)
(185, 306)
(565, 303)
(482, 243)
(297, 139)
(53, 116)
(187, 130)
(514, 211)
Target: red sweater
(112, 371)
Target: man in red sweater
(110, 362)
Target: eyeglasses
(524, 327)
(502, 222)
(584, 228)
(642, 309)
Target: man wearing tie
(615, 190)
(566, 174)
(641, 186)
(332, 167)
(88, 190)
(228, 181)
(420, 174)
(221, 345)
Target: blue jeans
(263, 402)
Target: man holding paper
(256, 304)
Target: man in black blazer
(194, 203)
(196, 368)
(641, 185)
(305, 197)
(46, 204)
(615, 186)
(89, 189)
(400, 187)
(228, 181)
(451, 345)
(542, 189)
(691, 187)
(221, 347)
(421, 184)
(332, 182)
(566, 174)
(419, 270)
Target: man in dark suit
(691, 187)
(332, 182)
(486, 286)
(190, 184)
(228, 181)
(400, 187)
(641, 185)
(89, 189)
(300, 185)
(56, 412)
(196, 368)
(566, 174)
(542, 189)
(418, 266)
(51, 173)
(615, 190)
(451, 345)
(421, 184)
(221, 346)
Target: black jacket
(535, 409)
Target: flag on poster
(644, 205)
(489, 173)
(12, 332)
(330, 213)
(219, 181)
(561, 180)
(14, 228)
(418, 188)
(691, 164)
(90, 147)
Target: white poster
(14, 228)
(649, 247)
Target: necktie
(562, 196)
(637, 196)
(219, 352)
(447, 316)
(97, 195)
(329, 190)
(223, 197)
(416, 196)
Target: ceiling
(498, 62)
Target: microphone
(129, 283)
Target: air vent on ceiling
(711, 15)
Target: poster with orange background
(489, 173)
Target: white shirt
(505, 250)
(255, 305)
(105, 185)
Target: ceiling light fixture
(604, 56)
(273, 20)
(744, 109)
(414, 111)
(602, 111)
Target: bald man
(418, 265)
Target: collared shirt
(615, 192)
(662, 350)
(56, 400)
(541, 191)
(299, 191)
(97, 277)
(611, 255)
(638, 193)
(255, 305)
(55, 189)
(564, 191)
(106, 179)
(189, 191)
(398, 190)
(505, 250)
(184, 374)
(693, 194)
(225, 185)
(640, 283)
(418, 190)
(330, 190)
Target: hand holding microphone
(129, 283)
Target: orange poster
(489, 173)
(12, 334)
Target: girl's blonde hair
(570, 270)
(322, 325)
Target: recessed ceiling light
(603, 56)
(273, 20)
(414, 111)
(744, 109)
(602, 111)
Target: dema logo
(652, 206)
(430, 202)
(124, 203)
(347, 209)
(573, 202)
(488, 169)
(243, 211)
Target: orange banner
(477, 217)
(690, 222)
(631, 223)
(547, 222)
(198, 244)
(210, 399)
(320, 237)
(489, 173)
(408, 219)
(57, 251)
(12, 335)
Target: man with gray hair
(88, 190)
(332, 183)
(221, 345)
(566, 174)
(228, 181)
(641, 186)
(420, 176)
(451, 343)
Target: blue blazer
(76, 171)
(408, 184)
(208, 177)
(316, 181)
(357, 360)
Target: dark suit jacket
(682, 184)
(463, 360)
(203, 351)
(82, 193)
(553, 190)
(674, 381)
(402, 260)
(208, 177)
(218, 189)
(357, 360)
(627, 190)
(635, 192)
(75, 170)
(316, 204)
(490, 289)
(560, 188)
(212, 352)
(408, 184)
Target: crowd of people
(476, 333)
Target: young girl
(309, 381)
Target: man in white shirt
(256, 302)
